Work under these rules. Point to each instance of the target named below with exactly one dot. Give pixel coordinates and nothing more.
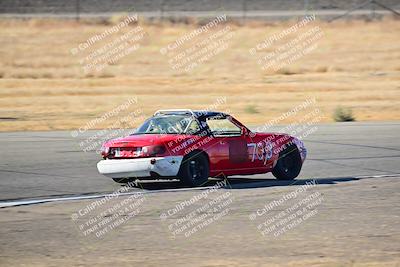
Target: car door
(232, 147)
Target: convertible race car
(195, 145)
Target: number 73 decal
(261, 151)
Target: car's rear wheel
(194, 170)
(289, 164)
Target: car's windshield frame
(221, 132)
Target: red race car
(194, 145)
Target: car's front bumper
(140, 167)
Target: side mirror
(244, 131)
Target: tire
(194, 170)
(289, 164)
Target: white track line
(377, 176)
(14, 203)
(21, 202)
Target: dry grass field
(43, 86)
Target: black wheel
(194, 170)
(289, 164)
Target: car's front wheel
(289, 164)
(194, 170)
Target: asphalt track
(352, 221)
(52, 164)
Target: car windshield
(167, 124)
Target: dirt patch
(355, 65)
